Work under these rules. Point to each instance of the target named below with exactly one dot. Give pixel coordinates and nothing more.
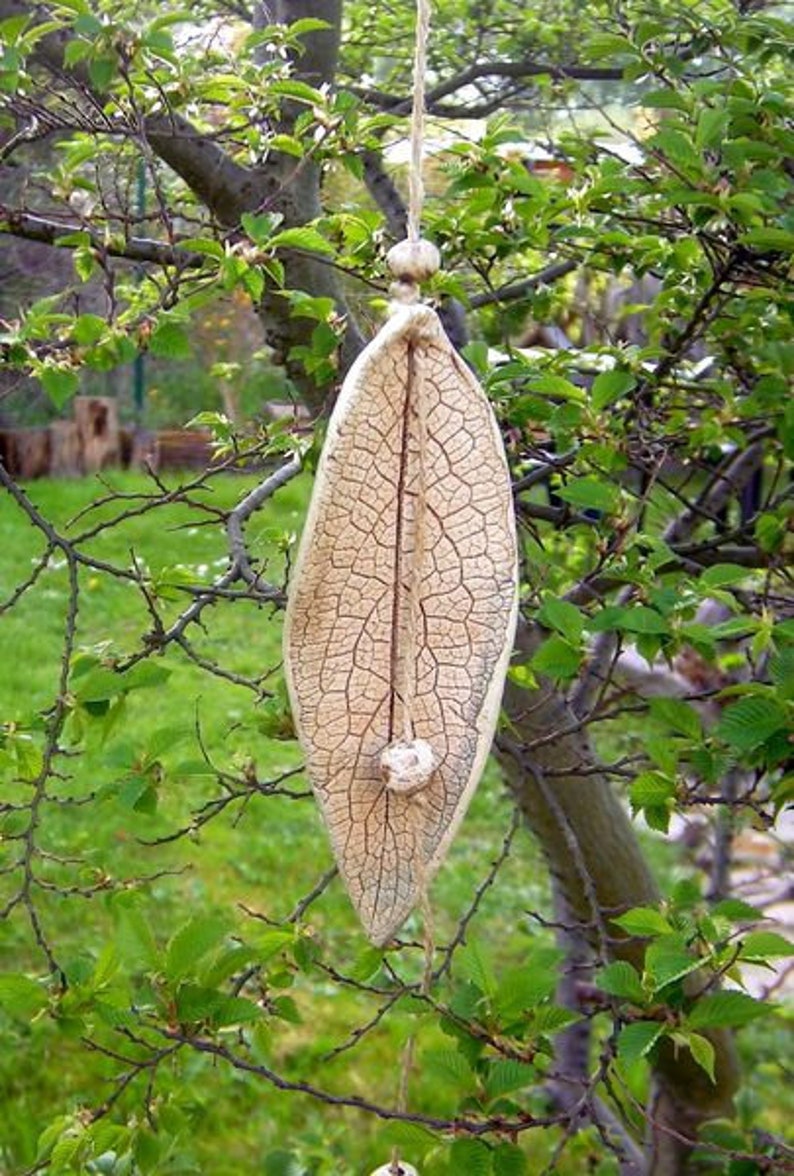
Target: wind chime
(403, 601)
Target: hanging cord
(409, 1049)
(414, 260)
(410, 655)
(416, 187)
(409, 766)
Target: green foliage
(674, 996)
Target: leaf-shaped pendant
(402, 612)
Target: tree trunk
(596, 862)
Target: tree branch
(511, 70)
(517, 290)
(228, 188)
(137, 249)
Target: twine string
(416, 187)
(417, 391)
(410, 660)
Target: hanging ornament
(403, 600)
(400, 1169)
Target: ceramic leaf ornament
(403, 600)
(402, 612)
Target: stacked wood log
(182, 449)
(97, 421)
(66, 457)
(93, 441)
(25, 452)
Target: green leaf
(286, 1008)
(678, 148)
(621, 979)
(194, 1002)
(665, 100)
(557, 387)
(283, 1163)
(509, 1160)
(270, 943)
(473, 964)
(711, 127)
(291, 88)
(170, 340)
(667, 960)
(164, 739)
(562, 616)
(103, 683)
(60, 384)
(703, 1052)
(118, 1016)
(102, 70)
(305, 238)
(66, 1152)
(772, 239)
(736, 911)
(750, 722)
(522, 675)
(770, 530)
(225, 963)
(644, 921)
(21, 997)
(679, 715)
(727, 1010)
(760, 946)
(235, 1010)
(557, 659)
(88, 329)
(205, 246)
(723, 575)
(287, 145)
(551, 1019)
(590, 494)
(74, 52)
(11, 28)
(366, 964)
(308, 24)
(609, 45)
(260, 226)
(610, 386)
(523, 988)
(506, 1075)
(471, 1156)
(191, 942)
(637, 1039)
(642, 619)
(451, 1065)
(134, 937)
(781, 672)
(652, 790)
